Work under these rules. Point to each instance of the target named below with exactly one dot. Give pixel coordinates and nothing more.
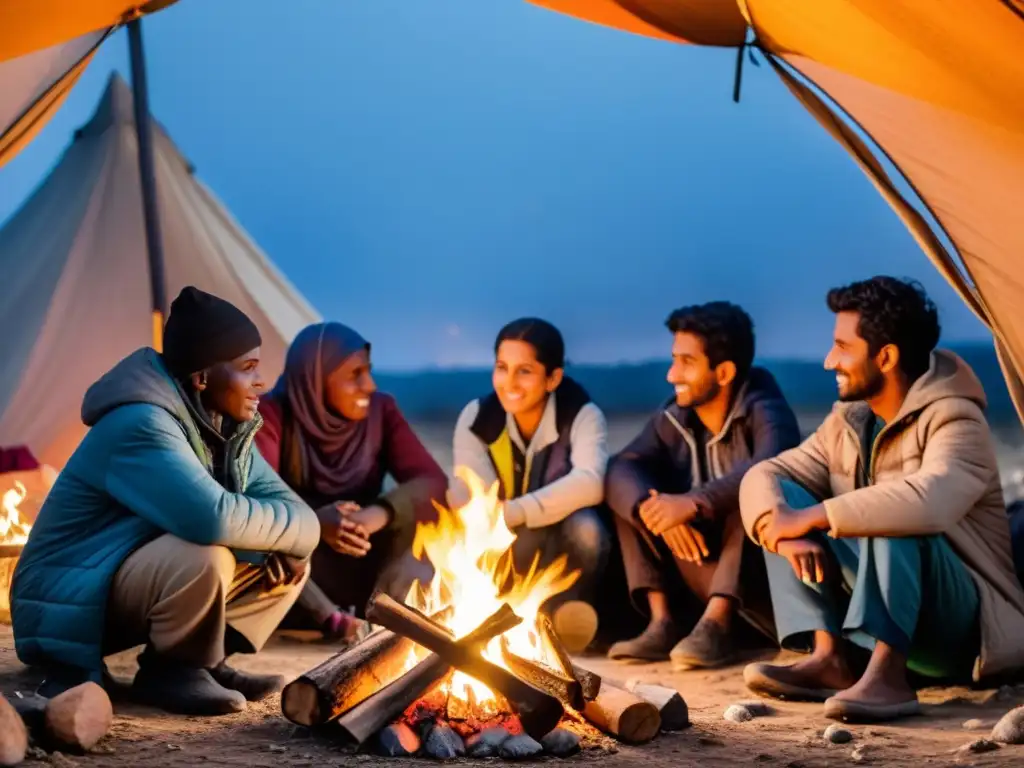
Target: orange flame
(473, 575)
(12, 530)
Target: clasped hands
(347, 527)
(669, 515)
(783, 531)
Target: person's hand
(284, 570)
(663, 511)
(340, 532)
(686, 543)
(807, 558)
(373, 518)
(786, 524)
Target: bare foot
(877, 691)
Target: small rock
(858, 754)
(278, 748)
(521, 747)
(757, 707)
(561, 743)
(174, 747)
(710, 741)
(836, 734)
(80, 716)
(974, 725)
(442, 743)
(980, 746)
(1010, 729)
(1005, 693)
(737, 713)
(487, 742)
(13, 735)
(398, 740)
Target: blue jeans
(582, 536)
(913, 594)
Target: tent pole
(147, 176)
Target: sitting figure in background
(334, 439)
(675, 492)
(539, 435)
(165, 528)
(886, 528)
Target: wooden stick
(382, 707)
(589, 681)
(538, 712)
(673, 710)
(553, 682)
(623, 715)
(348, 677)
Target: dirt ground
(791, 736)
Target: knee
(210, 564)
(586, 537)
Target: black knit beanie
(203, 330)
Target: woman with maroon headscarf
(334, 439)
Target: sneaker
(254, 687)
(182, 690)
(653, 644)
(708, 645)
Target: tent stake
(147, 177)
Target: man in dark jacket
(675, 490)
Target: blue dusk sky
(425, 170)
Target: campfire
(469, 661)
(13, 535)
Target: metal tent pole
(147, 176)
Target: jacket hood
(139, 378)
(947, 376)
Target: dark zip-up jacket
(664, 456)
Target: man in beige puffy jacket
(886, 528)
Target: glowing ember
(12, 530)
(474, 576)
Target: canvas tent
(45, 46)
(937, 88)
(76, 281)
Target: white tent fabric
(76, 277)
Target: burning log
(538, 712)
(379, 709)
(347, 678)
(589, 681)
(623, 714)
(554, 683)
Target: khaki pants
(180, 598)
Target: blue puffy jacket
(142, 470)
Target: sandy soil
(261, 738)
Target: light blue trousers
(913, 594)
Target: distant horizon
(972, 343)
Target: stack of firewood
(366, 689)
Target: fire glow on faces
(520, 381)
(858, 376)
(695, 381)
(233, 388)
(350, 387)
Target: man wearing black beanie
(165, 528)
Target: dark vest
(547, 464)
